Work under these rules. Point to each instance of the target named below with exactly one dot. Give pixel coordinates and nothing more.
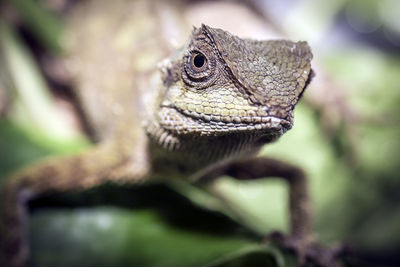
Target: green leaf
(147, 226)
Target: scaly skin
(241, 97)
(203, 112)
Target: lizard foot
(310, 252)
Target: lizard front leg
(300, 239)
(103, 163)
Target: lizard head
(220, 85)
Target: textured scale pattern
(270, 70)
(244, 86)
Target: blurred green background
(346, 136)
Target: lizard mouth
(190, 121)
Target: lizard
(203, 112)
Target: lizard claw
(309, 251)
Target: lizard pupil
(199, 60)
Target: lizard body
(202, 112)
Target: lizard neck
(192, 156)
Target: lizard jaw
(184, 122)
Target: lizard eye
(197, 64)
(198, 68)
(198, 61)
